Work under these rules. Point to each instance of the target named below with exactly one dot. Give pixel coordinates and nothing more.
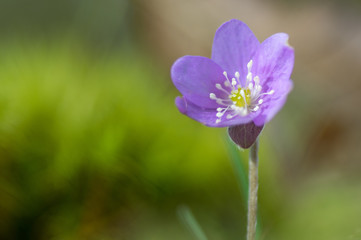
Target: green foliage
(87, 140)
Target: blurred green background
(93, 147)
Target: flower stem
(252, 191)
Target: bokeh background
(92, 146)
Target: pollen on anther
(249, 76)
(212, 96)
(234, 82)
(249, 65)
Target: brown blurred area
(324, 107)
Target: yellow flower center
(236, 100)
(241, 97)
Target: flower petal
(274, 60)
(196, 77)
(273, 104)
(208, 116)
(273, 63)
(202, 115)
(234, 45)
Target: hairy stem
(252, 191)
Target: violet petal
(274, 60)
(234, 45)
(273, 63)
(274, 104)
(207, 116)
(196, 77)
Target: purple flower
(244, 83)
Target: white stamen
(249, 65)
(237, 76)
(234, 82)
(219, 86)
(221, 102)
(249, 77)
(243, 111)
(221, 112)
(255, 93)
(225, 74)
(268, 93)
(251, 93)
(243, 95)
(229, 116)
